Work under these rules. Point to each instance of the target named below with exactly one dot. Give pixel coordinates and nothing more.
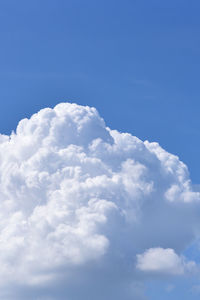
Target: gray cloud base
(80, 202)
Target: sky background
(136, 61)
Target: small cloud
(163, 261)
(170, 288)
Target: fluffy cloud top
(78, 201)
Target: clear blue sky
(136, 61)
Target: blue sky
(136, 61)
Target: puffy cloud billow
(164, 261)
(86, 211)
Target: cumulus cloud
(79, 201)
(164, 261)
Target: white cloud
(164, 261)
(78, 201)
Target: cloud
(169, 288)
(79, 201)
(164, 261)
